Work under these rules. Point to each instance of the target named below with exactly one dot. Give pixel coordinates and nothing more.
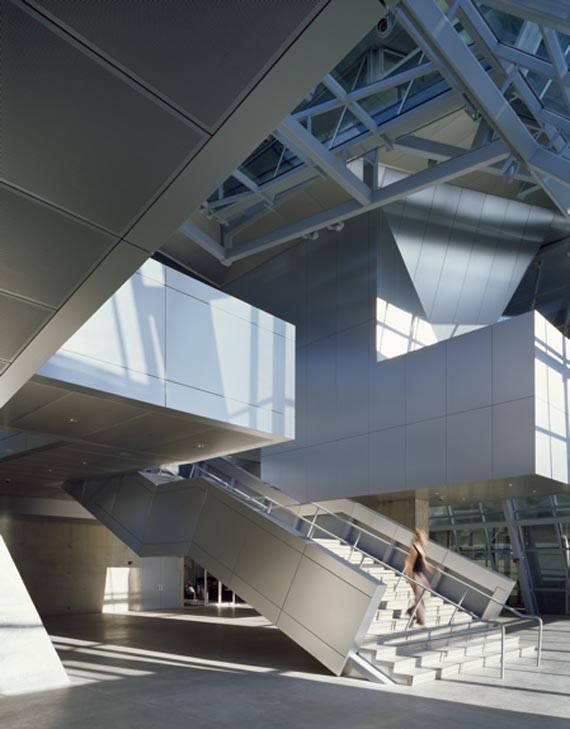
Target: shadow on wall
(399, 332)
(552, 383)
(169, 340)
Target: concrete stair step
(414, 677)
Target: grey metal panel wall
(465, 251)
(413, 418)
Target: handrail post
(354, 546)
(502, 652)
(312, 527)
(414, 611)
(539, 647)
(457, 607)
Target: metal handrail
(313, 525)
(508, 608)
(267, 504)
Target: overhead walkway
(329, 575)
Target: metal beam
(558, 61)
(252, 186)
(550, 13)
(353, 106)
(439, 39)
(439, 151)
(443, 172)
(394, 79)
(197, 235)
(329, 163)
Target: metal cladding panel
(55, 97)
(426, 453)
(322, 292)
(428, 278)
(320, 465)
(513, 359)
(387, 460)
(219, 531)
(127, 331)
(355, 274)
(268, 563)
(347, 608)
(31, 229)
(132, 506)
(465, 251)
(394, 284)
(351, 387)
(323, 416)
(179, 509)
(262, 560)
(514, 438)
(469, 371)
(289, 471)
(183, 50)
(425, 383)
(20, 321)
(387, 392)
(469, 446)
(350, 460)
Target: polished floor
(227, 667)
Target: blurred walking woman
(416, 567)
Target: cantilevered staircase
(452, 640)
(329, 575)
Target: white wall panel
(128, 330)
(188, 347)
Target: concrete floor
(215, 668)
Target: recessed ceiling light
(50, 470)
(84, 463)
(73, 420)
(200, 445)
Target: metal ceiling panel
(76, 134)
(203, 56)
(77, 415)
(48, 251)
(20, 321)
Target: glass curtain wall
(526, 539)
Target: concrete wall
(169, 340)
(64, 562)
(458, 411)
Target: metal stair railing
(270, 506)
(319, 508)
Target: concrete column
(409, 508)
